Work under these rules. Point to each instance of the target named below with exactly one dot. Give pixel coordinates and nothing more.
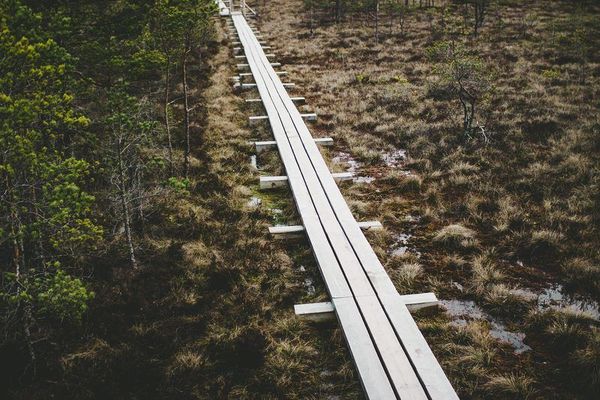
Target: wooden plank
(325, 141)
(267, 144)
(257, 118)
(294, 231)
(291, 139)
(403, 377)
(371, 373)
(287, 231)
(271, 182)
(309, 116)
(434, 379)
(316, 312)
(296, 99)
(336, 283)
(419, 301)
(413, 302)
(370, 225)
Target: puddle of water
(412, 218)
(309, 285)
(555, 297)
(254, 202)
(278, 217)
(401, 247)
(394, 158)
(353, 166)
(398, 251)
(345, 158)
(462, 311)
(363, 179)
(515, 339)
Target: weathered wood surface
(223, 9)
(323, 311)
(390, 353)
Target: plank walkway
(390, 353)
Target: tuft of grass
(407, 275)
(184, 361)
(509, 216)
(587, 361)
(544, 245)
(582, 273)
(481, 346)
(410, 184)
(511, 386)
(455, 262)
(565, 328)
(501, 300)
(456, 236)
(485, 271)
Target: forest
(135, 255)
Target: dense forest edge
(135, 260)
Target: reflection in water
(254, 201)
(353, 166)
(394, 158)
(401, 247)
(462, 311)
(556, 298)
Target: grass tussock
(511, 386)
(456, 236)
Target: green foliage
(45, 213)
(55, 294)
(361, 78)
(179, 185)
(61, 296)
(551, 74)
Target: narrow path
(390, 353)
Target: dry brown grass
(530, 192)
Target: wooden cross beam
(264, 145)
(297, 231)
(326, 311)
(271, 182)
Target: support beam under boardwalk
(271, 182)
(326, 310)
(296, 231)
(268, 144)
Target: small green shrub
(551, 74)
(179, 185)
(361, 78)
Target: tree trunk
(377, 22)
(166, 113)
(311, 20)
(186, 109)
(125, 209)
(338, 10)
(27, 322)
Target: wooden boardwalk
(390, 353)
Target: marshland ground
(500, 221)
